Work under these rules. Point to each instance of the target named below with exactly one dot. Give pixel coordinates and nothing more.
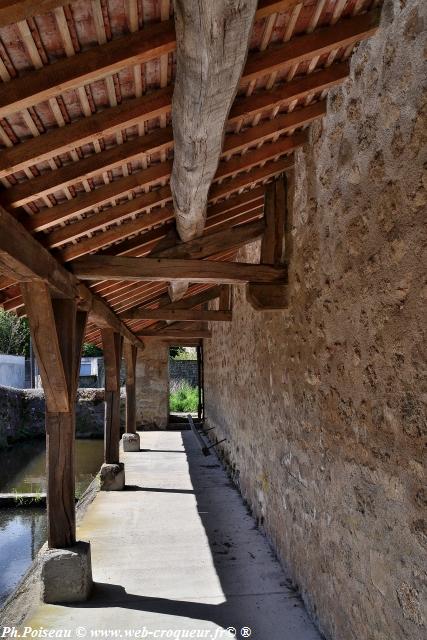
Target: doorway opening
(185, 384)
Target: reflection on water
(23, 530)
(22, 533)
(23, 466)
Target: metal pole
(204, 448)
(199, 382)
(202, 382)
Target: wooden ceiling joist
(167, 269)
(323, 40)
(208, 245)
(86, 130)
(175, 333)
(183, 315)
(130, 294)
(147, 242)
(288, 92)
(86, 201)
(159, 140)
(75, 71)
(189, 302)
(86, 168)
(222, 218)
(65, 139)
(149, 200)
(158, 103)
(16, 10)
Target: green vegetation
(188, 353)
(91, 350)
(174, 352)
(184, 398)
(14, 334)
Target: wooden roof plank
(64, 139)
(16, 10)
(300, 48)
(90, 65)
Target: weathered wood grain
(112, 346)
(166, 269)
(212, 43)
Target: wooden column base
(267, 297)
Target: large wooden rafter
(212, 43)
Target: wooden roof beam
(219, 191)
(114, 291)
(186, 303)
(24, 259)
(167, 269)
(237, 204)
(158, 103)
(205, 86)
(97, 62)
(64, 139)
(185, 315)
(86, 201)
(175, 333)
(158, 140)
(202, 99)
(342, 34)
(86, 168)
(208, 245)
(15, 10)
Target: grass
(183, 397)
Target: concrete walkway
(177, 550)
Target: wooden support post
(57, 330)
(130, 352)
(112, 347)
(272, 296)
(225, 298)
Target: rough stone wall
(183, 371)
(152, 386)
(324, 406)
(22, 414)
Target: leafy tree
(14, 334)
(174, 352)
(91, 350)
(186, 353)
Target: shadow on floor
(106, 596)
(252, 589)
